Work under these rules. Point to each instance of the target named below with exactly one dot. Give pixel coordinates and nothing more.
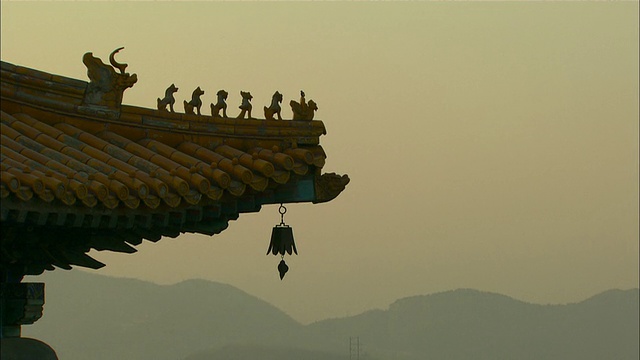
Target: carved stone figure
(329, 186)
(274, 108)
(194, 103)
(106, 86)
(302, 110)
(311, 110)
(221, 104)
(168, 98)
(246, 104)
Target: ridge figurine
(274, 108)
(194, 103)
(220, 105)
(168, 98)
(246, 104)
(302, 110)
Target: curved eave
(109, 178)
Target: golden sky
(490, 145)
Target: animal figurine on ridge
(220, 105)
(106, 86)
(194, 103)
(274, 108)
(303, 110)
(246, 104)
(168, 98)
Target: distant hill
(89, 316)
(245, 352)
(469, 324)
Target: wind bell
(282, 242)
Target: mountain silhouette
(90, 316)
(244, 352)
(469, 324)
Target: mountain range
(90, 316)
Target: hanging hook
(282, 210)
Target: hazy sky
(490, 145)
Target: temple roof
(80, 170)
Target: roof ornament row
(302, 110)
(106, 87)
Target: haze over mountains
(90, 316)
